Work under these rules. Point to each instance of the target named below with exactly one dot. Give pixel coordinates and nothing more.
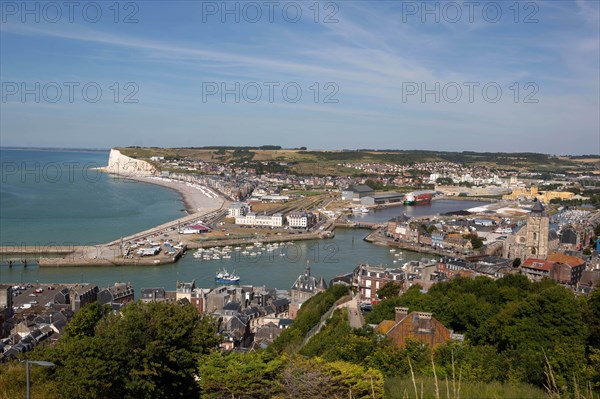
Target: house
(306, 286)
(568, 268)
(536, 269)
(494, 267)
(152, 295)
(452, 267)
(184, 290)
(397, 227)
(238, 209)
(6, 307)
(302, 220)
(355, 193)
(419, 326)
(82, 294)
(590, 279)
(117, 295)
(368, 279)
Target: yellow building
(543, 196)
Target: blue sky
(368, 61)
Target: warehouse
(381, 199)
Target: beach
(196, 198)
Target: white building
(238, 209)
(252, 219)
(300, 219)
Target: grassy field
(330, 162)
(404, 388)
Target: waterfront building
(301, 220)
(252, 219)
(355, 193)
(238, 209)
(382, 199)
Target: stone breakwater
(125, 166)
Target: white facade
(238, 209)
(252, 219)
(299, 219)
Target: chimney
(401, 313)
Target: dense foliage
(146, 351)
(518, 335)
(511, 327)
(309, 315)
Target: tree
(389, 290)
(148, 350)
(517, 262)
(84, 324)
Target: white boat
(238, 248)
(392, 250)
(362, 209)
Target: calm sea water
(57, 197)
(97, 208)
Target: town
(527, 225)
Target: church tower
(537, 232)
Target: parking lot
(34, 296)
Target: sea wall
(123, 165)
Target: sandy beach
(197, 198)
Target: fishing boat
(223, 277)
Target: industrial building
(355, 193)
(382, 199)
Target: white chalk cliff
(123, 165)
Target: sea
(58, 197)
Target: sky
(455, 76)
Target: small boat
(223, 277)
(362, 209)
(392, 250)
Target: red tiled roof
(569, 260)
(538, 264)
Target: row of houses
(24, 327)
(247, 316)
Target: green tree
(148, 350)
(84, 325)
(389, 290)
